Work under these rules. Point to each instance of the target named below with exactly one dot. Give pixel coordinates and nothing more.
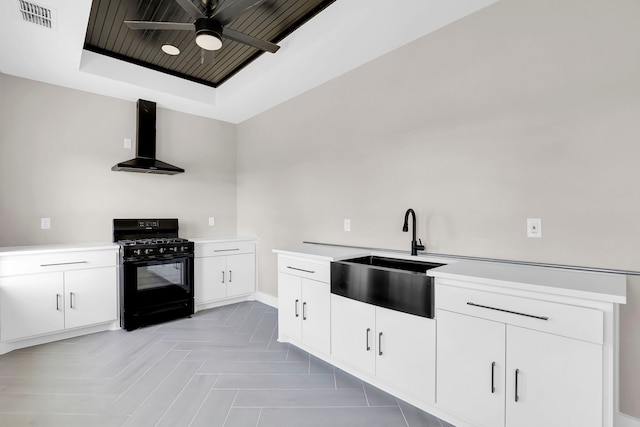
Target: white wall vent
(37, 14)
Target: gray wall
(525, 109)
(57, 147)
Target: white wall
(524, 109)
(57, 147)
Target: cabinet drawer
(56, 261)
(226, 248)
(307, 268)
(571, 321)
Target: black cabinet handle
(296, 305)
(223, 277)
(301, 269)
(58, 302)
(507, 311)
(304, 312)
(493, 387)
(517, 397)
(229, 276)
(70, 299)
(380, 344)
(368, 347)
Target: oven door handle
(157, 261)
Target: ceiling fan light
(208, 34)
(170, 49)
(208, 41)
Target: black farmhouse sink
(396, 284)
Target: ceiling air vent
(36, 14)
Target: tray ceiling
(107, 34)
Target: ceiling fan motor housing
(208, 27)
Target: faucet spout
(415, 247)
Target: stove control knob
(146, 251)
(174, 249)
(136, 251)
(162, 250)
(184, 248)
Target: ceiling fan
(210, 26)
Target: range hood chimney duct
(145, 161)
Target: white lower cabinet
(39, 304)
(242, 274)
(397, 348)
(353, 329)
(90, 297)
(305, 311)
(304, 303)
(495, 374)
(223, 270)
(31, 305)
(559, 380)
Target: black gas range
(156, 271)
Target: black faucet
(415, 247)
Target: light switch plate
(212, 221)
(127, 143)
(347, 225)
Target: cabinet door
(559, 380)
(289, 306)
(208, 279)
(470, 368)
(242, 274)
(353, 333)
(31, 305)
(316, 315)
(90, 296)
(406, 352)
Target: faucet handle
(420, 246)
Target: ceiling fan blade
(249, 40)
(151, 25)
(233, 12)
(190, 8)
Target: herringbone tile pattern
(221, 368)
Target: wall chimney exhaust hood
(145, 160)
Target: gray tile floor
(223, 367)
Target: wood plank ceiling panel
(107, 34)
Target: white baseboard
(267, 299)
(623, 420)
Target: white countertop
(339, 253)
(220, 239)
(559, 281)
(582, 284)
(65, 247)
(72, 247)
(323, 252)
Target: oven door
(156, 286)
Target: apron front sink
(397, 284)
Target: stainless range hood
(145, 161)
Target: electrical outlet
(45, 223)
(534, 227)
(127, 143)
(347, 225)
(212, 221)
